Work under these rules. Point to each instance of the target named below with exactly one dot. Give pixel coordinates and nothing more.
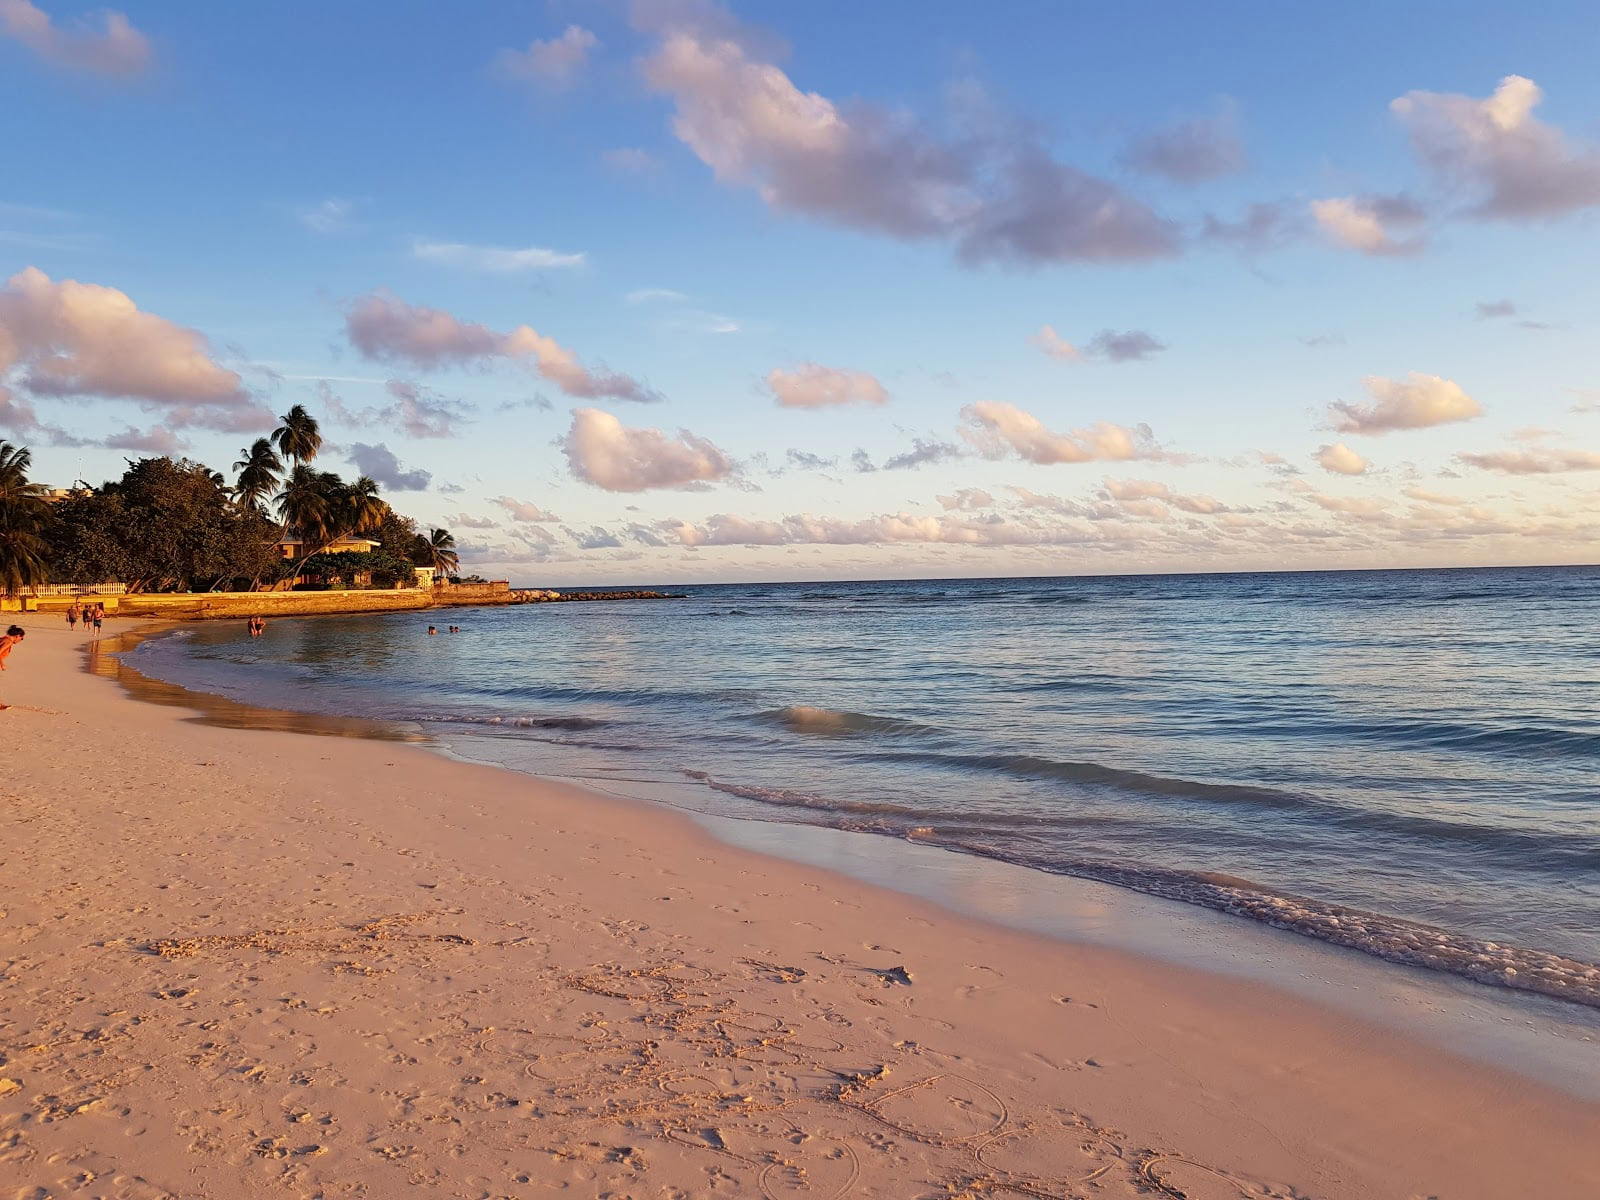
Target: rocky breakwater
(544, 596)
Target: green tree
(23, 516)
(165, 525)
(258, 470)
(437, 550)
(396, 535)
(363, 506)
(298, 436)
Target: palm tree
(22, 515)
(259, 468)
(298, 438)
(308, 505)
(439, 547)
(364, 508)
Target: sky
(669, 291)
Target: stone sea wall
(201, 606)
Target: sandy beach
(244, 963)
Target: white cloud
(81, 339)
(813, 386)
(999, 196)
(997, 429)
(117, 51)
(555, 63)
(1536, 460)
(330, 216)
(655, 295)
(1505, 161)
(630, 160)
(385, 328)
(1370, 224)
(1341, 460)
(603, 451)
(1418, 401)
(497, 260)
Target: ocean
(1406, 763)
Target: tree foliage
(176, 525)
(166, 525)
(23, 515)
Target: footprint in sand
(1189, 1180)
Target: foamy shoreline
(244, 962)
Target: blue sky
(733, 208)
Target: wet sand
(249, 962)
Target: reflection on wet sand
(104, 659)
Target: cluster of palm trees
(276, 472)
(319, 507)
(23, 512)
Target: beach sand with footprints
(244, 963)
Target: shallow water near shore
(1403, 763)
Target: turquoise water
(1406, 763)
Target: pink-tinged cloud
(997, 430)
(116, 51)
(726, 529)
(387, 329)
(1418, 401)
(1498, 155)
(603, 451)
(417, 411)
(1352, 506)
(966, 500)
(1536, 460)
(147, 441)
(999, 197)
(1384, 226)
(1051, 343)
(555, 63)
(81, 339)
(814, 386)
(1424, 496)
(1138, 491)
(1107, 345)
(524, 511)
(1190, 152)
(1341, 460)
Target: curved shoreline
(1396, 940)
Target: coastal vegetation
(173, 524)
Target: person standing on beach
(72, 615)
(12, 639)
(99, 616)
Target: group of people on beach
(92, 615)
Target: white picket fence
(80, 589)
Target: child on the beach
(13, 637)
